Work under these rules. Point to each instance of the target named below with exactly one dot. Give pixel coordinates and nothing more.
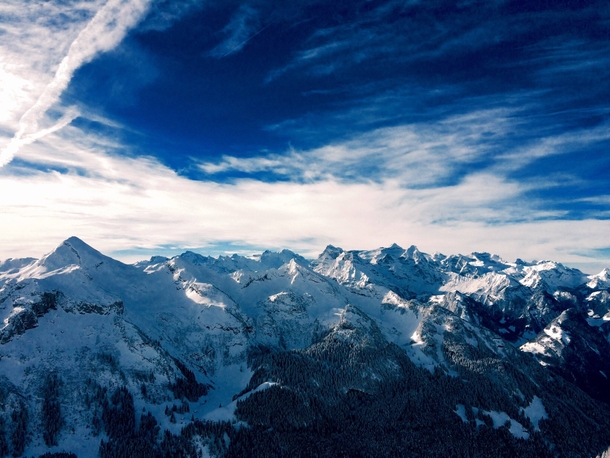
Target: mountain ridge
(191, 333)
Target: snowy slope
(194, 332)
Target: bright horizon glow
(146, 128)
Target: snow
(551, 275)
(427, 341)
(493, 282)
(501, 418)
(600, 281)
(596, 321)
(227, 413)
(558, 334)
(533, 347)
(535, 411)
(460, 410)
(208, 312)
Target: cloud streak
(242, 27)
(105, 30)
(423, 154)
(83, 185)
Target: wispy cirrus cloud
(243, 26)
(35, 39)
(484, 153)
(420, 155)
(103, 32)
(460, 42)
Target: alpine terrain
(389, 352)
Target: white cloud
(419, 154)
(463, 169)
(118, 203)
(102, 33)
(35, 38)
(277, 163)
(13, 90)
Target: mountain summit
(72, 251)
(355, 353)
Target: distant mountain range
(389, 352)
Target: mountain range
(387, 352)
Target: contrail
(241, 45)
(107, 28)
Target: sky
(155, 126)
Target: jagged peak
(331, 251)
(603, 275)
(79, 246)
(414, 254)
(283, 251)
(274, 260)
(75, 240)
(438, 256)
(292, 267)
(192, 257)
(411, 251)
(600, 280)
(390, 253)
(484, 255)
(547, 264)
(72, 251)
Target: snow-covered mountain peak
(274, 260)
(393, 252)
(330, 252)
(72, 251)
(352, 320)
(193, 258)
(396, 251)
(550, 275)
(413, 253)
(382, 255)
(437, 256)
(604, 274)
(71, 255)
(600, 281)
(327, 258)
(461, 265)
(489, 261)
(292, 269)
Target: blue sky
(150, 127)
